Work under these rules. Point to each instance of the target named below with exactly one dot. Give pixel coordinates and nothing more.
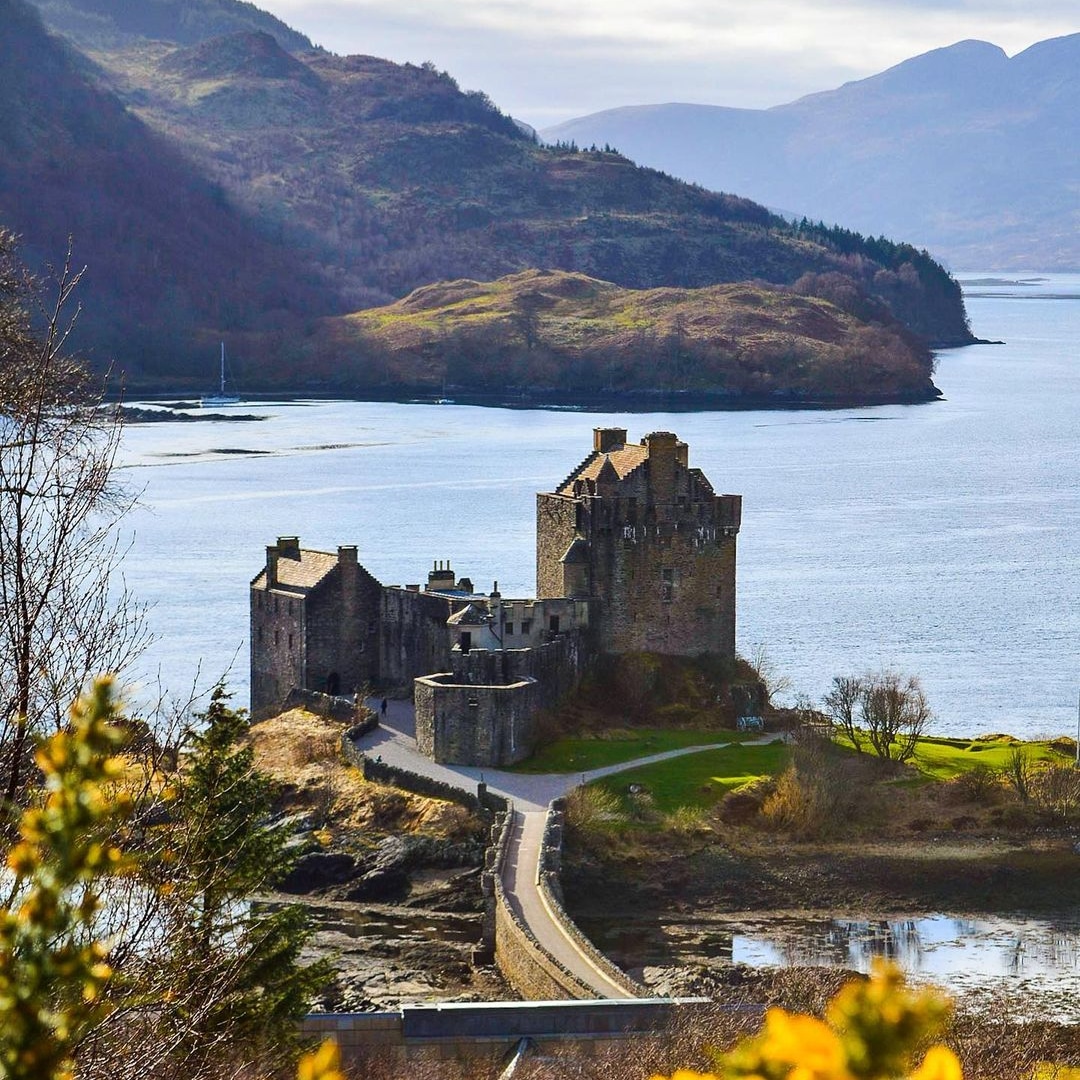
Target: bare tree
(841, 705)
(886, 710)
(895, 714)
(63, 614)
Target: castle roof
(301, 573)
(469, 615)
(622, 461)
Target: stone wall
(668, 588)
(277, 649)
(342, 709)
(413, 638)
(489, 1031)
(529, 969)
(556, 518)
(551, 886)
(463, 724)
(380, 772)
(341, 629)
(487, 710)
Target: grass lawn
(580, 754)
(942, 759)
(701, 780)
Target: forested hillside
(257, 185)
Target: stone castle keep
(635, 552)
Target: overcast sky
(549, 60)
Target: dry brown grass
(301, 752)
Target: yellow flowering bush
(51, 968)
(872, 1031)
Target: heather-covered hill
(118, 22)
(567, 336)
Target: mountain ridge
(962, 150)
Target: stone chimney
(663, 449)
(606, 439)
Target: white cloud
(545, 60)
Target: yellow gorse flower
(872, 1032)
(50, 984)
(321, 1064)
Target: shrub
(591, 807)
(978, 785)
(823, 792)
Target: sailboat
(221, 397)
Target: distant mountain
(251, 188)
(550, 335)
(962, 150)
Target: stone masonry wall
(667, 589)
(475, 725)
(342, 644)
(556, 518)
(277, 649)
(414, 639)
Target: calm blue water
(940, 539)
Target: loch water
(939, 539)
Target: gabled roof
(469, 615)
(302, 574)
(620, 462)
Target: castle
(635, 552)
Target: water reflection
(936, 945)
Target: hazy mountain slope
(117, 22)
(962, 150)
(168, 256)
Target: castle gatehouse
(635, 552)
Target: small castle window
(553, 624)
(526, 626)
(290, 607)
(466, 640)
(668, 575)
(277, 636)
(510, 628)
(290, 642)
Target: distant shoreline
(635, 401)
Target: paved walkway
(395, 742)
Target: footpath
(394, 741)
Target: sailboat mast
(223, 367)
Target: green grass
(701, 780)
(942, 759)
(581, 754)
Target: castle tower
(645, 537)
